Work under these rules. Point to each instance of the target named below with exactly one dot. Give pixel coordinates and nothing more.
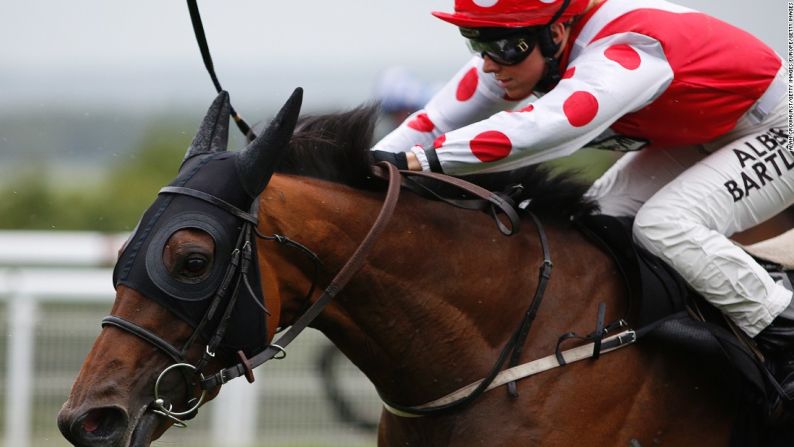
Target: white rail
(75, 267)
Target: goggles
(509, 50)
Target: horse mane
(336, 147)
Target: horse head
(187, 270)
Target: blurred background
(98, 102)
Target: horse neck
(439, 296)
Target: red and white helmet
(510, 13)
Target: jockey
(698, 105)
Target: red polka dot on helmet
(509, 13)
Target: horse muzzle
(95, 427)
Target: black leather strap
(598, 335)
(543, 278)
(209, 198)
(201, 39)
(144, 334)
(515, 343)
(493, 202)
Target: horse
(435, 301)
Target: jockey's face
(519, 80)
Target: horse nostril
(99, 426)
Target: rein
(201, 39)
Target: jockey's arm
(611, 77)
(470, 96)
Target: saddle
(662, 307)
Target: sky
(142, 54)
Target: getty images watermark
(790, 74)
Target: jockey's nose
(97, 427)
(489, 66)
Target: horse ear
(213, 135)
(256, 163)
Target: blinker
(215, 192)
(141, 265)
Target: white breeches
(688, 201)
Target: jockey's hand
(413, 162)
(398, 159)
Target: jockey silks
(649, 70)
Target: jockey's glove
(396, 158)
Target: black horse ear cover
(235, 178)
(255, 164)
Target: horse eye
(194, 266)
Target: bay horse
(430, 310)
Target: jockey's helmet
(511, 13)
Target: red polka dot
(467, 85)
(421, 123)
(569, 73)
(491, 146)
(580, 108)
(438, 142)
(528, 108)
(625, 55)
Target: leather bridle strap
(341, 279)
(209, 198)
(146, 335)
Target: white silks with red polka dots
(682, 84)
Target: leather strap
(488, 200)
(209, 198)
(543, 278)
(201, 39)
(144, 334)
(514, 344)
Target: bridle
(234, 279)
